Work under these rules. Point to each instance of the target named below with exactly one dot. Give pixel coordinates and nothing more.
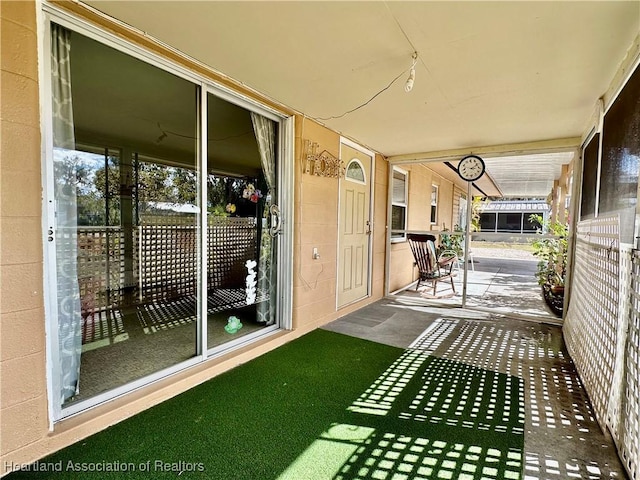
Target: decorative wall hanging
(323, 164)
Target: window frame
(400, 237)
(433, 213)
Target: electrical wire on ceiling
(408, 87)
(400, 27)
(422, 62)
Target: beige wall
(316, 225)
(458, 193)
(401, 271)
(421, 178)
(316, 202)
(379, 226)
(446, 219)
(23, 403)
(24, 421)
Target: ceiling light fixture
(408, 86)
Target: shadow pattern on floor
(562, 439)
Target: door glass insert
(355, 171)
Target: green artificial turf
(321, 407)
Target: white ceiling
(527, 175)
(488, 73)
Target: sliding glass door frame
(284, 199)
(51, 13)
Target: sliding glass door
(242, 216)
(163, 222)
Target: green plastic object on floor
(233, 324)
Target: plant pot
(557, 289)
(555, 301)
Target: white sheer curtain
(265, 131)
(69, 313)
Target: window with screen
(589, 178)
(399, 204)
(509, 222)
(621, 158)
(434, 204)
(487, 222)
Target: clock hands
(471, 168)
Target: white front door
(354, 229)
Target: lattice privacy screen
(629, 423)
(163, 262)
(101, 260)
(615, 404)
(169, 260)
(602, 331)
(591, 323)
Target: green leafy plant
(477, 204)
(218, 211)
(451, 242)
(551, 252)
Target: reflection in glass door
(146, 206)
(124, 230)
(242, 221)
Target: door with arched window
(354, 230)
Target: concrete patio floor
(562, 437)
(502, 282)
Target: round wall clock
(471, 168)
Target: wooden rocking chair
(430, 267)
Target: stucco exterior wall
(420, 179)
(23, 401)
(458, 193)
(379, 226)
(316, 225)
(446, 218)
(24, 418)
(316, 202)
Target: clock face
(471, 168)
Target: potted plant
(552, 261)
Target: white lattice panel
(592, 322)
(101, 277)
(629, 428)
(615, 403)
(169, 260)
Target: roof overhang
(488, 73)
